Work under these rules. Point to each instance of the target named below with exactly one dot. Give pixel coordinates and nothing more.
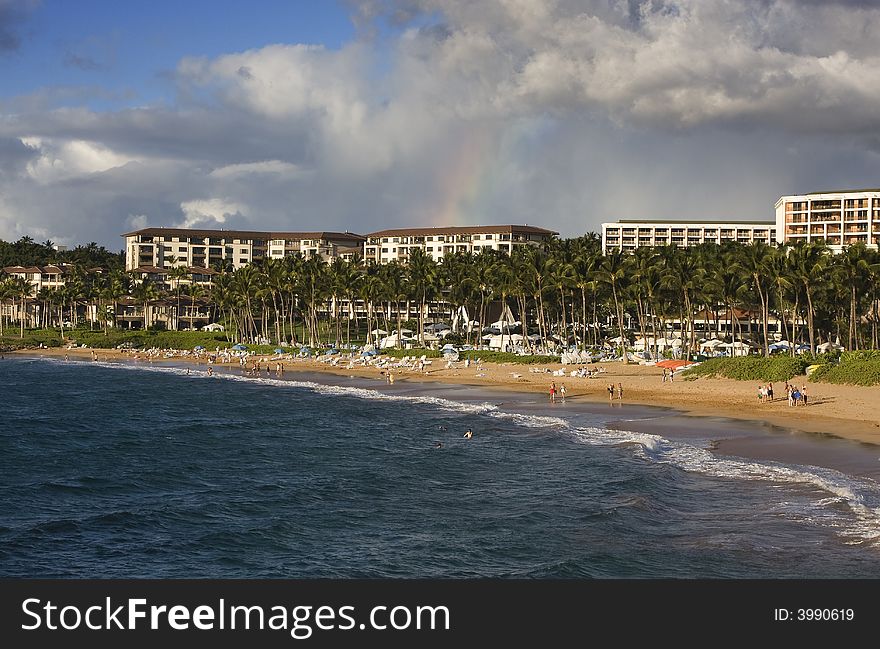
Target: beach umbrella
(239, 347)
(379, 332)
(673, 364)
(278, 350)
(199, 348)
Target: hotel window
(430, 248)
(243, 251)
(488, 237)
(384, 240)
(476, 237)
(181, 249)
(242, 261)
(430, 238)
(384, 249)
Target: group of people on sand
(765, 393)
(557, 392)
(612, 391)
(796, 396)
(669, 376)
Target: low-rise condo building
(628, 234)
(40, 277)
(839, 218)
(395, 244)
(167, 247)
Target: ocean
(154, 470)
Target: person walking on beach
(553, 392)
(671, 375)
(620, 391)
(610, 392)
(769, 392)
(562, 392)
(790, 392)
(664, 375)
(761, 393)
(804, 394)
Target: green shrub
(862, 355)
(854, 372)
(506, 357)
(750, 368)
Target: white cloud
(60, 160)
(245, 169)
(210, 212)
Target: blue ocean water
(151, 471)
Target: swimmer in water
(468, 433)
(442, 427)
(438, 445)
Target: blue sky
(366, 114)
(128, 48)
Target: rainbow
(466, 178)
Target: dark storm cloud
(560, 113)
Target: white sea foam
(861, 496)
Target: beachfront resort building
(839, 218)
(40, 277)
(395, 244)
(628, 235)
(163, 248)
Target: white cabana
(500, 340)
(392, 341)
(829, 346)
(711, 345)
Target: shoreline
(741, 428)
(848, 412)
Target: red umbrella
(673, 364)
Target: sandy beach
(848, 412)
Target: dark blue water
(150, 472)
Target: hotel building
(390, 245)
(631, 234)
(837, 218)
(40, 277)
(166, 247)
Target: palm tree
(614, 271)
(176, 274)
(422, 273)
(145, 292)
(753, 260)
(851, 271)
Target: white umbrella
(378, 332)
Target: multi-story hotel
(389, 245)
(631, 234)
(165, 247)
(40, 277)
(837, 218)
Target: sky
(292, 115)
